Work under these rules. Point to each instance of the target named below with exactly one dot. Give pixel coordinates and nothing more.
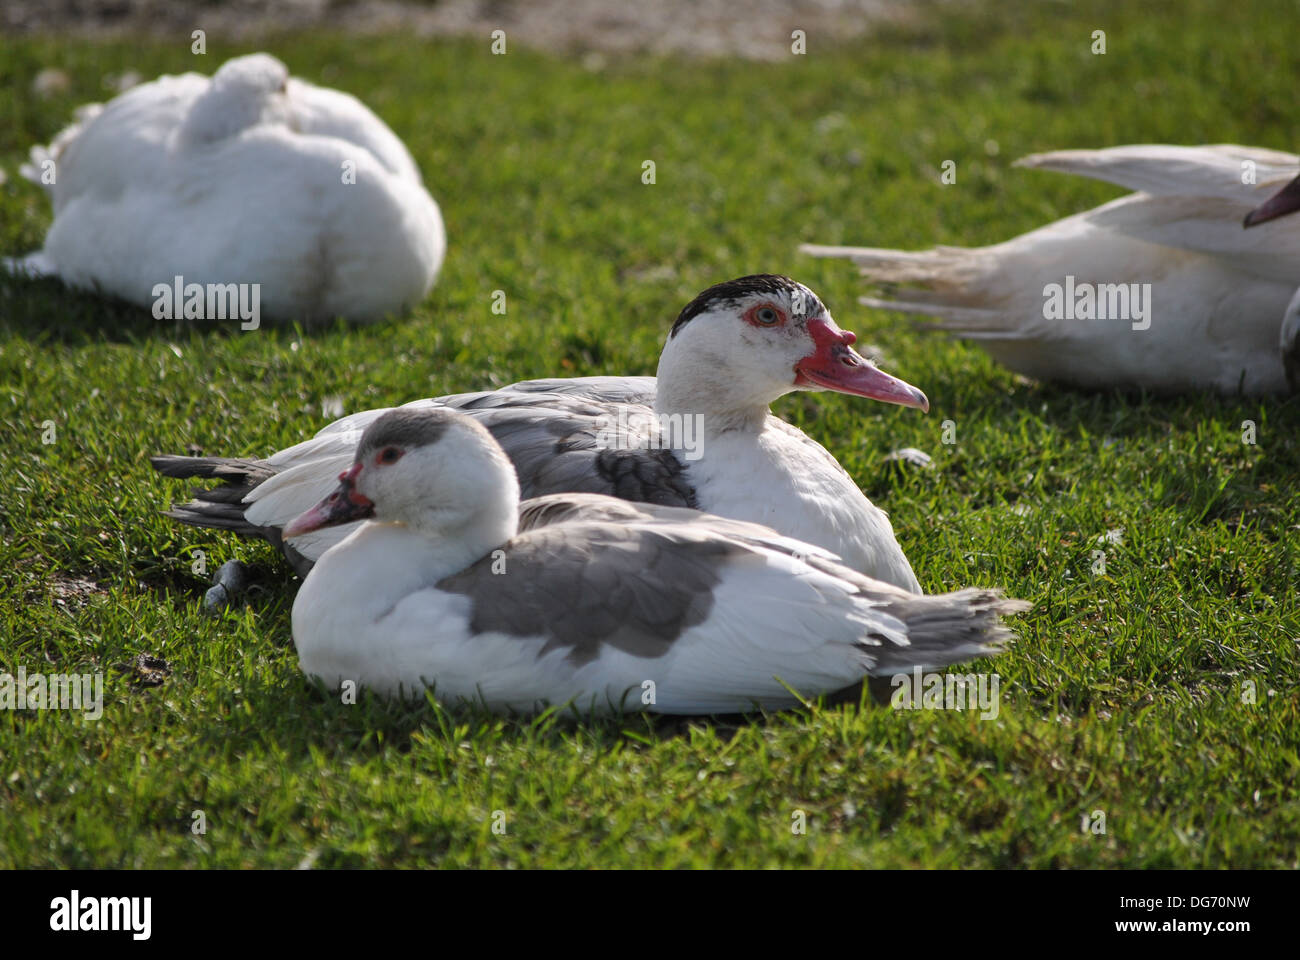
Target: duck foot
(229, 584)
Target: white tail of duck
(1191, 299)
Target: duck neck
(713, 404)
(434, 548)
(428, 557)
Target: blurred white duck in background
(608, 604)
(248, 177)
(1198, 302)
(734, 349)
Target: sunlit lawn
(1162, 692)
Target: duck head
(245, 91)
(742, 344)
(428, 468)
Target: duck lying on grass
(450, 583)
(189, 192)
(699, 435)
(1161, 289)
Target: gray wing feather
(548, 428)
(583, 585)
(555, 439)
(586, 571)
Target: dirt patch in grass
(760, 31)
(73, 592)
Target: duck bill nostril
(834, 365)
(850, 373)
(344, 505)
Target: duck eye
(767, 316)
(389, 455)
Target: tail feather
(937, 629)
(233, 471)
(956, 318)
(951, 283)
(215, 516)
(1168, 170)
(882, 265)
(42, 159)
(950, 276)
(221, 507)
(947, 628)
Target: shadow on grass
(1228, 447)
(44, 310)
(1203, 453)
(306, 714)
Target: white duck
(599, 602)
(250, 177)
(734, 349)
(1217, 293)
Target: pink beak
(344, 505)
(835, 365)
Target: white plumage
(718, 369)
(1218, 292)
(610, 605)
(248, 177)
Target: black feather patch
(731, 292)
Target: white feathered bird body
(247, 177)
(1214, 293)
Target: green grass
(1123, 694)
